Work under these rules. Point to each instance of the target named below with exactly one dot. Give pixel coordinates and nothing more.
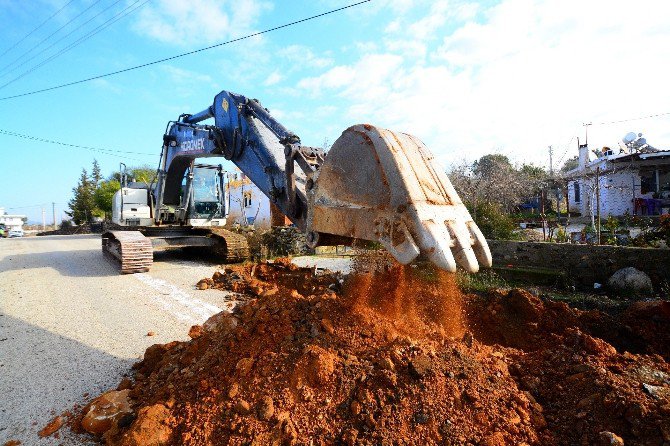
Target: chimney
(583, 155)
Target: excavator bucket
(379, 185)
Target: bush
(664, 228)
(493, 222)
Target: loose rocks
(630, 281)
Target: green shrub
(493, 222)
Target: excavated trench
(395, 357)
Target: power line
(567, 146)
(185, 54)
(111, 152)
(55, 43)
(36, 28)
(35, 205)
(2, 70)
(633, 119)
(118, 16)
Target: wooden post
(566, 195)
(542, 196)
(598, 202)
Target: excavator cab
(208, 203)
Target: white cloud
(274, 78)
(304, 56)
(522, 77)
(334, 78)
(181, 76)
(199, 21)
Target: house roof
(625, 157)
(602, 161)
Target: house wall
(11, 221)
(583, 206)
(257, 212)
(616, 196)
(617, 189)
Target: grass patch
(482, 281)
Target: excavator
(373, 184)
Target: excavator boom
(373, 184)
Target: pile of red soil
(397, 357)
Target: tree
(570, 163)
(139, 174)
(488, 164)
(493, 181)
(82, 204)
(104, 195)
(96, 175)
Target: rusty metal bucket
(384, 186)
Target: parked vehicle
(18, 232)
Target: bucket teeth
(384, 186)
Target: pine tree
(96, 174)
(82, 204)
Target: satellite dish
(630, 136)
(639, 134)
(642, 141)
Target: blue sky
(468, 78)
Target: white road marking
(181, 304)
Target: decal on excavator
(193, 145)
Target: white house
(633, 183)
(247, 205)
(11, 221)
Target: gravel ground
(71, 325)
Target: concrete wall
(584, 264)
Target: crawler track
(232, 247)
(131, 249)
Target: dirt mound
(650, 321)
(583, 368)
(395, 357)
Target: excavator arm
(373, 184)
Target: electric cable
(632, 119)
(54, 44)
(118, 16)
(111, 152)
(155, 62)
(36, 28)
(2, 70)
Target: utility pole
(586, 129)
(553, 180)
(44, 220)
(598, 202)
(53, 210)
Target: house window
(247, 199)
(578, 195)
(648, 181)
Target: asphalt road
(71, 326)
